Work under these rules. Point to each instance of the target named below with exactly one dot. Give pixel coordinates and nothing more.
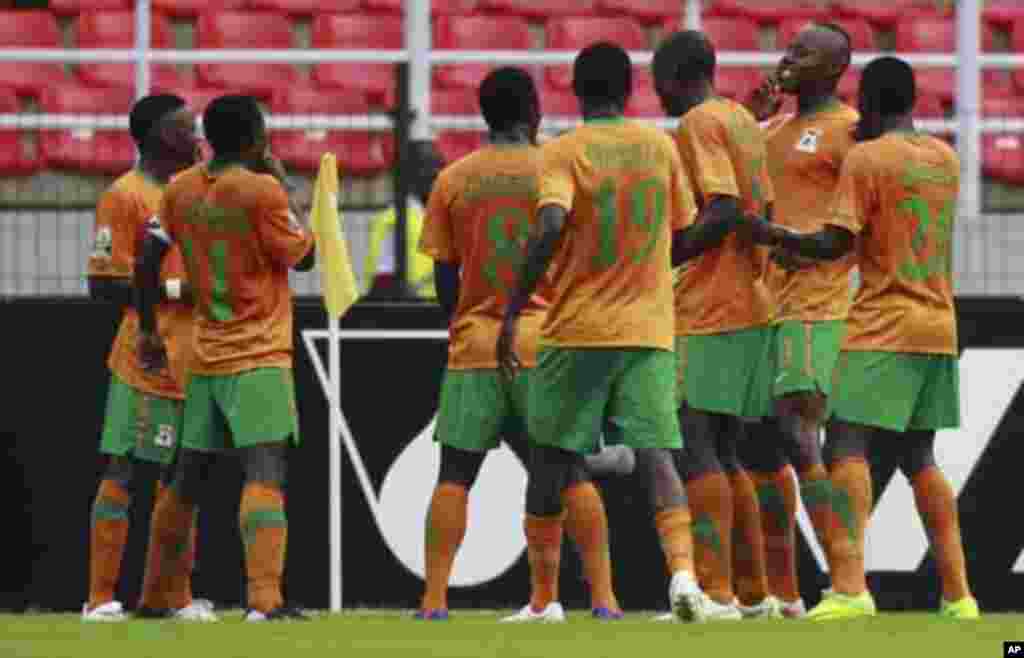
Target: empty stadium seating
(861, 35)
(304, 7)
(29, 29)
(538, 9)
(1017, 46)
(558, 103)
(644, 11)
(359, 152)
(437, 7)
(117, 30)
(734, 34)
(197, 98)
(1003, 12)
(476, 33)
(70, 7)
(453, 145)
(358, 31)
(767, 11)
(454, 102)
(246, 30)
(927, 107)
(193, 8)
(886, 13)
(995, 107)
(576, 33)
(13, 160)
(95, 151)
(1003, 158)
(644, 103)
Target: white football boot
(108, 612)
(552, 614)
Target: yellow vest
(420, 267)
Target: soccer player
(805, 153)
(478, 217)
(723, 318)
(613, 203)
(897, 378)
(232, 220)
(144, 410)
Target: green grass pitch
(474, 634)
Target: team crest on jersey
(809, 141)
(103, 246)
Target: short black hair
(232, 123)
(887, 86)
(602, 73)
(508, 97)
(841, 31)
(147, 113)
(685, 56)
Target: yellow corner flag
(339, 282)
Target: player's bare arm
(540, 249)
(446, 282)
(830, 243)
(152, 352)
(720, 217)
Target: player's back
(239, 240)
(906, 189)
(625, 191)
(480, 215)
(121, 216)
(723, 150)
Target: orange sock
(937, 506)
(675, 530)
(776, 494)
(587, 524)
(446, 528)
(749, 570)
(851, 505)
(711, 505)
(265, 534)
(168, 553)
(544, 551)
(108, 537)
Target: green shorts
(728, 373)
(140, 425)
(897, 391)
(805, 356)
(240, 410)
(576, 393)
(481, 407)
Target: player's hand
(790, 261)
(152, 352)
(508, 362)
(766, 100)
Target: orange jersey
(898, 194)
(239, 240)
(121, 216)
(479, 216)
(805, 154)
(625, 190)
(723, 151)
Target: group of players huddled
(684, 301)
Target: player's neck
(515, 136)
(606, 111)
(155, 170)
(898, 123)
(815, 101)
(701, 92)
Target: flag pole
(334, 446)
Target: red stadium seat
(861, 35)
(193, 8)
(1003, 158)
(644, 11)
(358, 31)
(117, 30)
(886, 13)
(71, 7)
(303, 7)
(437, 7)
(454, 102)
(13, 161)
(1017, 46)
(768, 11)
(246, 30)
(29, 29)
(558, 103)
(1003, 12)
(739, 33)
(110, 151)
(644, 102)
(453, 145)
(1003, 107)
(476, 33)
(539, 10)
(930, 35)
(576, 33)
(197, 98)
(929, 107)
(359, 153)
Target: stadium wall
(53, 412)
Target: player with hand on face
(231, 218)
(143, 420)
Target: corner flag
(339, 282)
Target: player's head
(164, 130)
(887, 90)
(602, 77)
(425, 163)
(509, 101)
(235, 128)
(815, 60)
(683, 67)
